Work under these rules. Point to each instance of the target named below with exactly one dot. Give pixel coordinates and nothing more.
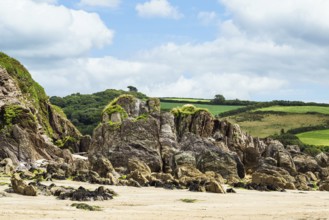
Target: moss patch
(87, 207)
(187, 110)
(189, 200)
(30, 89)
(14, 114)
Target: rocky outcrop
(30, 127)
(197, 150)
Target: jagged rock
(82, 194)
(305, 163)
(20, 187)
(85, 142)
(7, 166)
(197, 186)
(311, 176)
(293, 149)
(168, 141)
(324, 185)
(139, 171)
(214, 187)
(101, 165)
(277, 151)
(29, 124)
(137, 135)
(322, 159)
(302, 182)
(194, 120)
(275, 177)
(209, 157)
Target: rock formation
(138, 145)
(197, 150)
(30, 127)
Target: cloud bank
(263, 50)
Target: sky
(258, 50)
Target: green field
(214, 109)
(317, 138)
(187, 100)
(296, 109)
(264, 124)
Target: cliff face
(29, 124)
(189, 142)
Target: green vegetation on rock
(189, 200)
(187, 110)
(14, 114)
(110, 109)
(214, 109)
(87, 207)
(30, 89)
(85, 111)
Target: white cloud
(207, 17)
(30, 29)
(285, 21)
(158, 8)
(46, 1)
(100, 3)
(264, 50)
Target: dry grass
(270, 124)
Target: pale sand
(157, 203)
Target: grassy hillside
(214, 109)
(265, 124)
(317, 138)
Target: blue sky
(246, 49)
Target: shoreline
(159, 203)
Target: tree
(219, 99)
(132, 89)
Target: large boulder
(7, 166)
(322, 159)
(305, 163)
(273, 177)
(20, 187)
(210, 157)
(194, 120)
(277, 151)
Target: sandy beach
(157, 203)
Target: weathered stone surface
(20, 187)
(305, 163)
(324, 185)
(271, 176)
(7, 166)
(134, 137)
(29, 124)
(322, 159)
(210, 157)
(214, 187)
(82, 194)
(168, 141)
(101, 165)
(277, 151)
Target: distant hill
(285, 121)
(84, 110)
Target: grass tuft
(87, 207)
